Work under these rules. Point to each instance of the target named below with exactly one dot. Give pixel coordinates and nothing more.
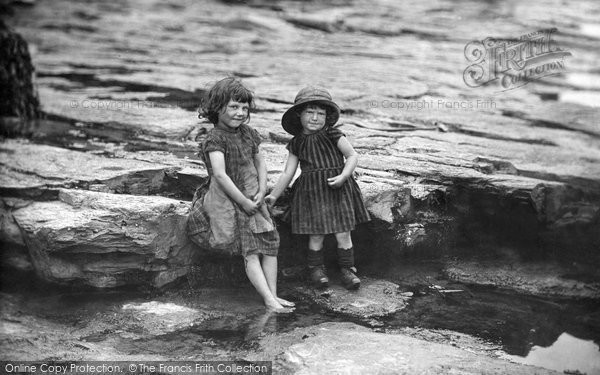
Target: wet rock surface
(230, 324)
(540, 279)
(187, 322)
(329, 347)
(122, 325)
(374, 299)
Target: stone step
(37, 171)
(107, 240)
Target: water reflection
(264, 323)
(566, 353)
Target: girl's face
(234, 114)
(313, 118)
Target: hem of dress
(268, 252)
(325, 232)
(334, 231)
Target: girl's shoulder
(330, 132)
(247, 129)
(251, 133)
(294, 144)
(213, 140)
(214, 134)
(334, 133)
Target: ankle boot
(349, 280)
(319, 277)
(317, 269)
(346, 262)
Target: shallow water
(529, 330)
(567, 353)
(560, 335)
(229, 336)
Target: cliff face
(443, 165)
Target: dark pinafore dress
(317, 208)
(221, 224)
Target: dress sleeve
(213, 142)
(292, 146)
(334, 134)
(256, 139)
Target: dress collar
(228, 129)
(322, 130)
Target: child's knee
(252, 258)
(315, 241)
(343, 238)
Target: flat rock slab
(34, 170)
(141, 116)
(374, 298)
(541, 279)
(26, 165)
(161, 317)
(346, 348)
(107, 240)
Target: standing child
(234, 216)
(325, 197)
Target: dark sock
(315, 258)
(345, 257)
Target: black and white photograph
(299, 187)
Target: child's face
(313, 118)
(234, 114)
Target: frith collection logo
(513, 62)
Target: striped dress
(317, 208)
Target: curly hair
(220, 94)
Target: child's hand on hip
(336, 182)
(250, 207)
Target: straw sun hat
(291, 120)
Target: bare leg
(269, 267)
(315, 241)
(344, 240)
(257, 278)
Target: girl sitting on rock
(233, 216)
(325, 198)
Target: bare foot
(285, 303)
(278, 308)
(281, 310)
